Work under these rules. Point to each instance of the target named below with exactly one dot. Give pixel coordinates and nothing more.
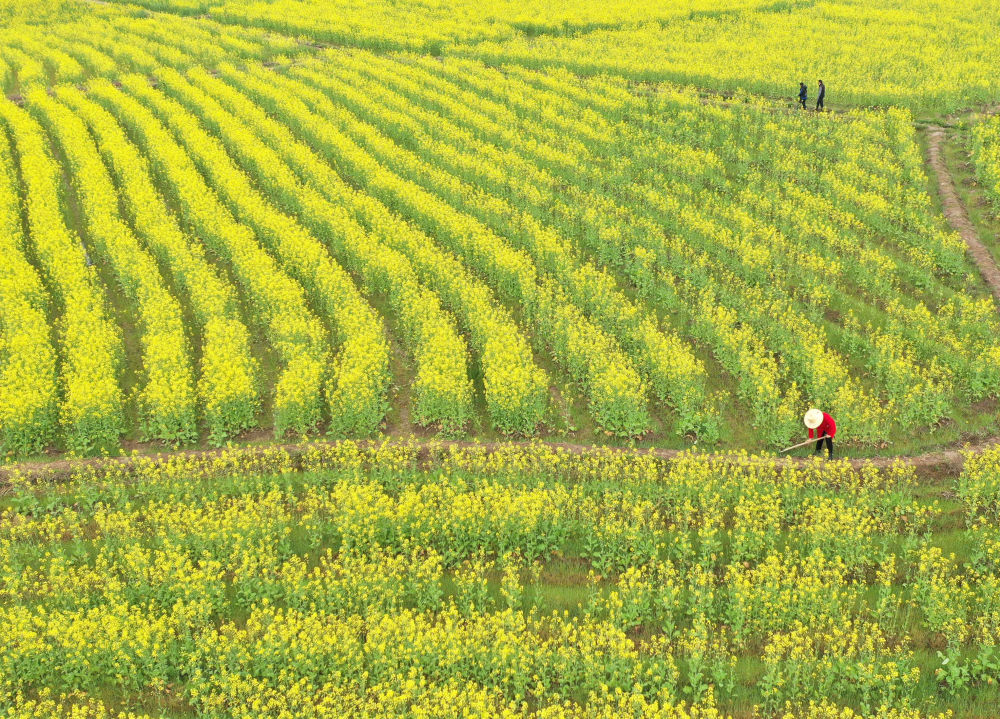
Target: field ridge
(948, 459)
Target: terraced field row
(222, 250)
(925, 55)
(108, 41)
(404, 580)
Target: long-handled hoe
(801, 444)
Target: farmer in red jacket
(825, 428)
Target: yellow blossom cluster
(167, 401)
(90, 346)
(294, 330)
(518, 581)
(986, 155)
(228, 377)
(107, 40)
(674, 375)
(615, 390)
(393, 254)
(28, 393)
(551, 227)
(360, 375)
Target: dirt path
(957, 215)
(948, 461)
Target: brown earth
(944, 462)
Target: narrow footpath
(943, 462)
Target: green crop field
(400, 293)
(415, 581)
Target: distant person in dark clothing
(822, 94)
(802, 94)
(86, 255)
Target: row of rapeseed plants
(986, 155)
(670, 255)
(400, 580)
(923, 55)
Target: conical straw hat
(813, 418)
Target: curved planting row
(167, 398)
(29, 394)
(228, 384)
(278, 301)
(615, 390)
(360, 374)
(480, 189)
(514, 388)
(90, 346)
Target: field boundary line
(943, 460)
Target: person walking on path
(825, 428)
(803, 92)
(822, 94)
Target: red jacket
(827, 426)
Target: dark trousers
(829, 445)
(819, 103)
(802, 101)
